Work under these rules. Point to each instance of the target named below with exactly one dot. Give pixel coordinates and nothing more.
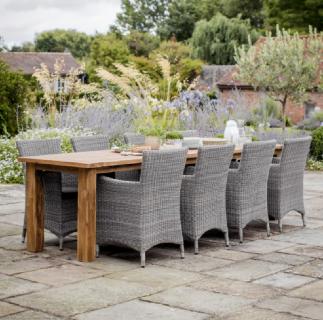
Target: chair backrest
(38, 147)
(256, 159)
(294, 155)
(189, 133)
(91, 143)
(134, 138)
(163, 169)
(213, 162)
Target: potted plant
(153, 137)
(174, 138)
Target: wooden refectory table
(86, 165)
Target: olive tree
(286, 66)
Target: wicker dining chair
(203, 202)
(142, 214)
(68, 189)
(285, 183)
(134, 138)
(246, 192)
(99, 142)
(90, 143)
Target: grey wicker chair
(285, 183)
(68, 185)
(96, 143)
(92, 143)
(134, 138)
(143, 214)
(246, 193)
(203, 193)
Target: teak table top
(104, 158)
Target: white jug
(231, 132)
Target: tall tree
(24, 47)
(285, 66)
(59, 40)
(294, 14)
(142, 15)
(214, 41)
(246, 9)
(141, 43)
(13, 93)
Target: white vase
(153, 142)
(231, 132)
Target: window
(309, 107)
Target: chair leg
(226, 237)
(280, 225)
(23, 235)
(241, 235)
(97, 251)
(182, 251)
(61, 241)
(196, 246)
(142, 259)
(304, 220)
(268, 229)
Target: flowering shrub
(11, 171)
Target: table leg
(35, 209)
(86, 220)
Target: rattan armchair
(203, 201)
(65, 188)
(246, 193)
(145, 213)
(285, 183)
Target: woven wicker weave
(285, 184)
(203, 202)
(92, 143)
(246, 192)
(143, 214)
(67, 187)
(134, 138)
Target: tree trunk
(284, 102)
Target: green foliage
(24, 47)
(13, 95)
(174, 135)
(173, 50)
(59, 40)
(214, 41)
(147, 66)
(314, 165)
(317, 144)
(142, 15)
(141, 43)
(189, 69)
(246, 9)
(285, 66)
(294, 14)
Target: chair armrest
(116, 185)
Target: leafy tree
(294, 14)
(59, 40)
(142, 15)
(141, 43)
(246, 9)
(285, 66)
(25, 47)
(13, 93)
(183, 14)
(214, 41)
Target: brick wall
(294, 111)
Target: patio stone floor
(276, 278)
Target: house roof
(27, 62)
(229, 81)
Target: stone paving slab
(263, 246)
(295, 306)
(9, 230)
(7, 309)
(140, 310)
(229, 254)
(83, 296)
(290, 259)
(248, 270)
(311, 269)
(15, 218)
(312, 291)
(284, 280)
(305, 250)
(200, 300)
(31, 315)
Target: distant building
(28, 62)
(224, 78)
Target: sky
(20, 20)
